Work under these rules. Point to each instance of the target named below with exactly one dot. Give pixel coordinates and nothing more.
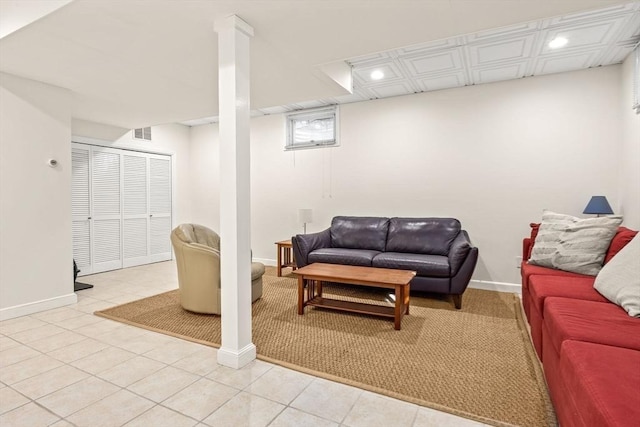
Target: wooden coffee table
(312, 276)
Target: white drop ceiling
(595, 38)
(137, 63)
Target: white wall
(172, 139)
(630, 152)
(491, 155)
(36, 255)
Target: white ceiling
(139, 62)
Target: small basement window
(312, 128)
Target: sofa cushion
(529, 270)
(359, 232)
(361, 257)
(619, 280)
(619, 241)
(423, 265)
(602, 382)
(589, 321)
(432, 236)
(542, 287)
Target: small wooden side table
(285, 256)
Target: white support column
(235, 240)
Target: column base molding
(236, 359)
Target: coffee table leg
(398, 308)
(407, 298)
(300, 295)
(279, 265)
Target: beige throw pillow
(548, 238)
(619, 280)
(573, 244)
(583, 245)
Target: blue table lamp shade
(598, 205)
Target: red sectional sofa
(589, 347)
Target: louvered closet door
(135, 207)
(107, 216)
(159, 208)
(80, 208)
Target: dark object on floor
(78, 286)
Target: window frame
(328, 112)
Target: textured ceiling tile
(514, 49)
(433, 63)
(494, 74)
(442, 82)
(391, 70)
(383, 91)
(557, 64)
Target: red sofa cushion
(529, 270)
(581, 288)
(542, 287)
(602, 384)
(619, 241)
(589, 321)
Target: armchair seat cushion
(424, 265)
(361, 257)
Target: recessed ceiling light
(558, 42)
(377, 75)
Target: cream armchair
(197, 250)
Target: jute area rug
(476, 362)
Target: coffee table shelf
(352, 307)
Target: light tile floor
(67, 367)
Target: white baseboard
(37, 306)
(514, 288)
(266, 261)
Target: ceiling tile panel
(443, 82)
(514, 49)
(494, 74)
(433, 63)
(384, 91)
(391, 70)
(557, 64)
(590, 36)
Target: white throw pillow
(548, 238)
(583, 244)
(619, 280)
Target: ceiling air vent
(142, 133)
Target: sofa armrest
(305, 243)
(526, 245)
(459, 251)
